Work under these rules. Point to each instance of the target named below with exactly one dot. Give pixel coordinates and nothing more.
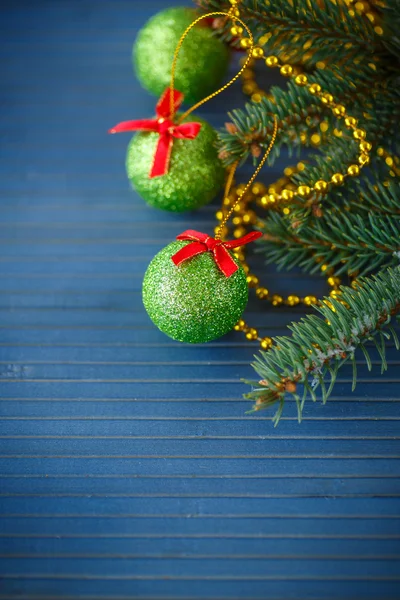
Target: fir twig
(321, 345)
(344, 243)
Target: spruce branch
(345, 242)
(299, 114)
(320, 345)
(391, 25)
(291, 24)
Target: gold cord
(256, 172)
(230, 15)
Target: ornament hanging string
(164, 124)
(232, 174)
(201, 242)
(230, 15)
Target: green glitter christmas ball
(193, 302)
(195, 173)
(202, 61)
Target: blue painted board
(128, 466)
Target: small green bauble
(193, 302)
(202, 61)
(195, 173)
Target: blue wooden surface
(129, 468)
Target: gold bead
(272, 198)
(239, 232)
(252, 280)
(329, 305)
(337, 178)
(339, 110)
(219, 215)
(359, 134)
(287, 195)
(236, 30)
(365, 146)
(321, 186)
(264, 201)
(286, 70)
(252, 334)
(266, 343)
(249, 88)
(239, 255)
(378, 30)
(248, 74)
(223, 232)
(363, 159)
(257, 52)
(327, 98)
(389, 161)
(245, 43)
(353, 170)
(309, 300)
(315, 139)
(350, 121)
(303, 191)
(239, 207)
(262, 293)
(240, 325)
(258, 188)
(315, 89)
(292, 300)
(301, 79)
(276, 300)
(333, 281)
(271, 61)
(233, 2)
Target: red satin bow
(166, 129)
(201, 242)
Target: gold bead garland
(392, 162)
(364, 8)
(284, 190)
(339, 111)
(246, 217)
(350, 123)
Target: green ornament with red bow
(173, 165)
(195, 290)
(202, 63)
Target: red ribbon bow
(165, 128)
(201, 242)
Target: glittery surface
(202, 62)
(194, 302)
(195, 173)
